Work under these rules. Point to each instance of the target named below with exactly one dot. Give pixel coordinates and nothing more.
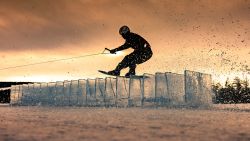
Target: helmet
(124, 30)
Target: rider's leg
(140, 57)
(126, 62)
(136, 57)
(131, 70)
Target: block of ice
(100, 91)
(59, 93)
(14, 94)
(206, 88)
(66, 92)
(175, 87)
(30, 94)
(161, 91)
(91, 92)
(44, 94)
(197, 88)
(122, 91)
(82, 96)
(110, 91)
(148, 90)
(191, 87)
(20, 94)
(25, 95)
(37, 93)
(52, 93)
(74, 90)
(135, 91)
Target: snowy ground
(132, 124)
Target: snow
(26, 123)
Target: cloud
(46, 24)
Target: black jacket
(134, 41)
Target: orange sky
(210, 36)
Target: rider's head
(124, 30)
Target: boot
(114, 72)
(130, 73)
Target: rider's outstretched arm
(122, 47)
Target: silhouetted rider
(142, 52)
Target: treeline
(237, 91)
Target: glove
(112, 51)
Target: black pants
(136, 57)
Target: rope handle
(108, 50)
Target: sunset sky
(210, 36)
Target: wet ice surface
(115, 124)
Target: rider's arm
(122, 47)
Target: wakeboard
(132, 76)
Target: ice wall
(161, 89)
